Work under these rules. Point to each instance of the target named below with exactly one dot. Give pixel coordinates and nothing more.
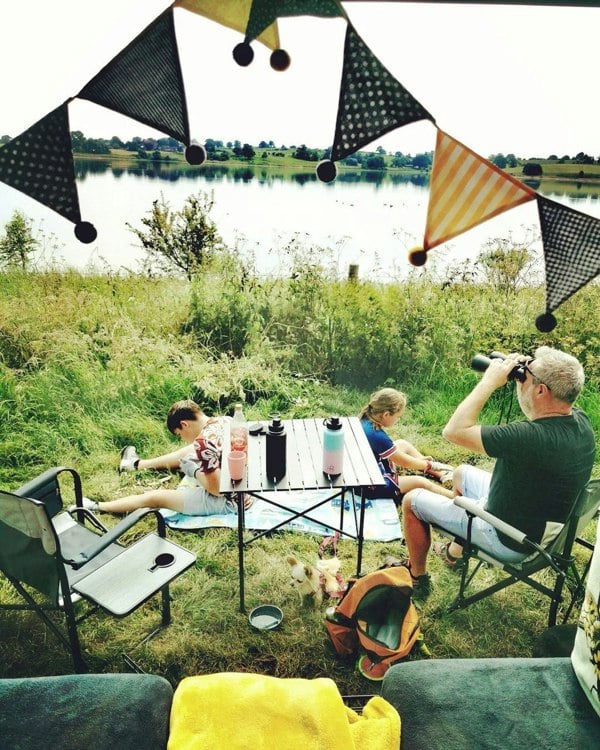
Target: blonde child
(384, 409)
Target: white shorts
(441, 511)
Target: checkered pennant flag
(39, 163)
(571, 243)
(372, 102)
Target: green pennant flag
(264, 12)
(144, 81)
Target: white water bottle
(239, 431)
(333, 446)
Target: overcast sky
(507, 79)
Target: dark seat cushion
(97, 712)
(476, 704)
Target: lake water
(371, 220)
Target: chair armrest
(38, 486)
(113, 534)
(505, 528)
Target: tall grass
(89, 363)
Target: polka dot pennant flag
(39, 163)
(234, 15)
(571, 243)
(465, 190)
(372, 102)
(144, 81)
(264, 12)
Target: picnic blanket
(381, 516)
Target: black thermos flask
(276, 447)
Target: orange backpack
(376, 617)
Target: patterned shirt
(209, 444)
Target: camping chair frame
(557, 556)
(75, 554)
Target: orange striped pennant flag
(466, 190)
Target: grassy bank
(89, 363)
(283, 159)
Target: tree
(18, 241)
(511, 161)
(77, 140)
(375, 162)
(499, 160)
(532, 169)
(116, 142)
(247, 151)
(179, 240)
(4, 139)
(422, 161)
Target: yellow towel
(235, 711)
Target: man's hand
(498, 371)
(189, 465)
(462, 428)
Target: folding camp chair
(54, 559)
(554, 555)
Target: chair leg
(166, 605)
(71, 643)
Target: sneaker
(85, 503)
(129, 459)
(422, 586)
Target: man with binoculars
(542, 463)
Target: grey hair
(562, 373)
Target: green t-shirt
(540, 469)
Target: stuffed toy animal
(312, 581)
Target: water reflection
(369, 218)
(268, 176)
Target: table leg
(361, 526)
(240, 502)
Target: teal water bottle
(333, 446)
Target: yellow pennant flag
(466, 190)
(231, 13)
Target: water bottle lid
(333, 423)
(276, 425)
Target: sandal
(441, 549)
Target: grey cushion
(96, 712)
(476, 704)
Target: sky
(500, 79)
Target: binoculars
(480, 363)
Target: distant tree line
(217, 150)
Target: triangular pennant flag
(233, 14)
(39, 163)
(372, 102)
(466, 190)
(264, 12)
(144, 81)
(571, 243)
